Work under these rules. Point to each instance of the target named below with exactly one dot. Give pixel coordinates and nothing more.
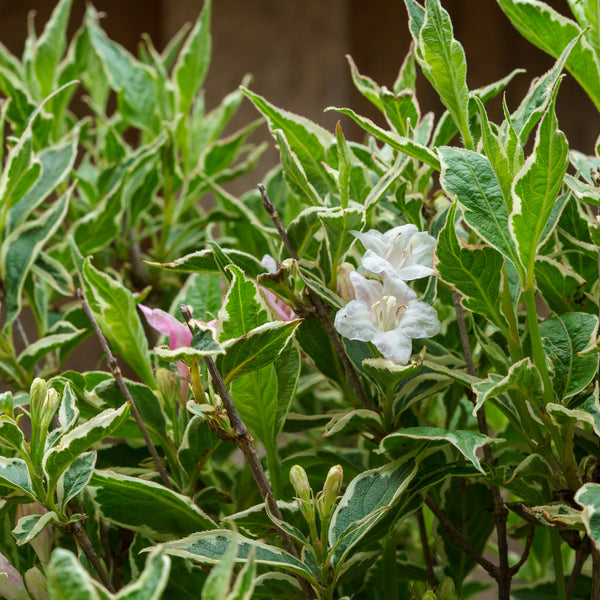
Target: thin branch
(246, 445)
(458, 537)
(322, 313)
(515, 568)
(431, 578)
(581, 556)
(77, 530)
(116, 371)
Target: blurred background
(295, 52)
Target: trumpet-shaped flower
(403, 252)
(178, 332)
(388, 315)
(11, 582)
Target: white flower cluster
(385, 311)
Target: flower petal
(394, 345)
(420, 320)
(366, 290)
(163, 322)
(354, 322)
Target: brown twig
(581, 556)
(116, 371)
(246, 444)
(500, 511)
(77, 530)
(431, 578)
(458, 537)
(528, 541)
(322, 314)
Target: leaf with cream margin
(588, 496)
(466, 442)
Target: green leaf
(532, 107)
(471, 178)
(588, 496)
(204, 343)
(559, 285)
(243, 307)
(563, 337)
(387, 374)
(405, 145)
(549, 30)
(160, 513)
(20, 249)
(466, 442)
(204, 261)
(352, 421)
(82, 438)
(56, 164)
(152, 582)
(11, 435)
(307, 140)
(399, 108)
(365, 85)
(338, 224)
(443, 62)
(523, 377)
(217, 583)
(67, 579)
(75, 477)
(256, 349)
(475, 271)
(365, 501)
(536, 187)
(294, 172)
(208, 547)
(114, 307)
(50, 47)
(14, 474)
(129, 78)
(192, 63)
(62, 333)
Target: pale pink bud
(11, 582)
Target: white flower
(403, 251)
(388, 315)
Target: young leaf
(160, 513)
(306, 140)
(30, 526)
(114, 308)
(256, 349)
(552, 32)
(559, 285)
(536, 187)
(243, 307)
(50, 47)
(443, 62)
(193, 60)
(475, 271)
(75, 477)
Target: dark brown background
(296, 50)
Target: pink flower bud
(11, 582)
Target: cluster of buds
(326, 499)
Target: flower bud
(345, 287)
(6, 403)
(50, 405)
(429, 595)
(36, 584)
(299, 481)
(447, 590)
(11, 582)
(331, 490)
(37, 398)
